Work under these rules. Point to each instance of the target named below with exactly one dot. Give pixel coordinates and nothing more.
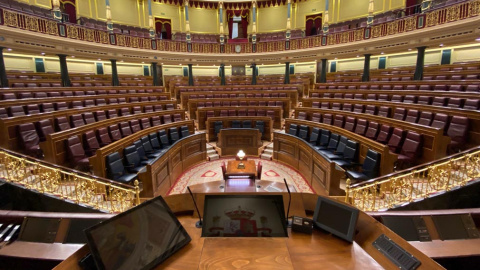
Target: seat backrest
(28, 135)
(156, 121)
(314, 136)
(76, 120)
(384, 111)
(91, 143)
(458, 129)
(130, 154)
(184, 131)
(333, 141)
(75, 150)
(342, 144)
(61, 124)
(339, 121)
(303, 132)
(396, 140)
(173, 132)
(351, 150)
(350, 123)
(324, 137)
(399, 114)
(439, 101)
(44, 128)
(440, 120)
(425, 118)
(89, 118)
(455, 103)
(167, 118)
(472, 104)
(103, 137)
(424, 100)
(412, 145)
(371, 164)
(361, 127)
(100, 115)
(327, 119)
(114, 166)
(384, 134)
(154, 141)
(16, 111)
(412, 116)
(125, 129)
(293, 130)
(135, 126)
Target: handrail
(68, 184)
(415, 183)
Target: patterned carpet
(211, 171)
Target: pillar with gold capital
(371, 7)
(254, 21)
(325, 19)
(57, 14)
(187, 23)
(150, 20)
(220, 16)
(109, 17)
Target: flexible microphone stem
(199, 223)
(289, 201)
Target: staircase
(211, 153)
(267, 152)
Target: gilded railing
(416, 183)
(431, 18)
(67, 184)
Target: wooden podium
(231, 140)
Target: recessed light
(143, 62)
(121, 61)
(99, 59)
(9, 49)
(42, 53)
(73, 56)
(382, 53)
(180, 64)
(335, 58)
(410, 49)
(441, 45)
(358, 55)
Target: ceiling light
(42, 53)
(9, 49)
(441, 45)
(99, 59)
(382, 53)
(410, 49)
(73, 56)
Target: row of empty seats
(77, 93)
(234, 95)
(456, 103)
(242, 112)
(241, 103)
(262, 87)
(474, 87)
(260, 125)
(31, 109)
(142, 152)
(341, 150)
(456, 128)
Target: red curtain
(244, 14)
(410, 7)
(313, 24)
(166, 23)
(70, 9)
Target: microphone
(289, 224)
(199, 223)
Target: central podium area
(231, 140)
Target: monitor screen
(451, 226)
(244, 216)
(336, 218)
(139, 238)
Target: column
(155, 74)
(418, 76)
(222, 74)
(150, 23)
(254, 73)
(289, 23)
(325, 19)
(190, 75)
(3, 71)
(322, 70)
(109, 17)
(254, 22)
(366, 68)
(187, 27)
(57, 14)
(220, 17)
(115, 81)
(287, 73)
(371, 8)
(64, 70)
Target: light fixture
(382, 53)
(99, 59)
(409, 49)
(9, 49)
(441, 45)
(73, 56)
(241, 156)
(477, 39)
(335, 58)
(42, 53)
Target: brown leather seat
(44, 128)
(76, 154)
(302, 116)
(88, 118)
(425, 118)
(455, 103)
(103, 137)
(16, 111)
(136, 109)
(327, 119)
(156, 121)
(399, 114)
(440, 120)
(145, 123)
(177, 117)
(384, 111)
(124, 112)
(32, 109)
(336, 106)
(411, 150)
(361, 127)
(458, 132)
(383, 134)
(91, 143)
(472, 104)
(125, 129)
(316, 117)
(409, 99)
(135, 126)
(424, 100)
(350, 123)
(30, 140)
(166, 119)
(60, 106)
(396, 140)
(358, 108)
(76, 120)
(439, 101)
(412, 116)
(115, 133)
(371, 109)
(397, 98)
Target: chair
(112, 113)
(396, 140)
(100, 115)
(145, 123)
(411, 150)
(217, 126)
(168, 118)
(77, 120)
(412, 116)
(327, 119)
(32, 109)
(293, 130)
(76, 154)
(44, 128)
(339, 151)
(314, 136)
(439, 101)
(149, 150)
(369, 169)
(358, 108)
(303, 132)
(458, 132)
(103, 137)
(162, 134)
(384, 111)
(384, 134)
(135, 126)
(154, 141)
(316, 117)
(361, 127)
(350, 155)
(174, 136)
(47, 107)
(184, 131)
(236, 124)
(125, 129)
(472, 104)
(371, 109)
(62, 124)
(116, 170)
(30, 140)
(440, 120)
(339, 121)
(425, 118)
(16, 111)
(455, 103)
(88, 118)
(144, 158)
(324, 142)
(91, 143)
(302, 116)
(156, 121)
(399, 114)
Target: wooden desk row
(54, 148)
(16, 90)
(97, 161)
(130, 98)
(202, 114)
(227, 123)
(473, 116)
(231, 140)
(390, 93)
(185, 97)
(319, 86)
(434, 142)
(8, 126)
(387, 161)
(161, 175)
(193, 104)
(300, 88)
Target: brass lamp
(241, 155)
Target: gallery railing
(404, 24)
(416, 183)
(70, 185)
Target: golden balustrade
(67, 184)
(415, 184)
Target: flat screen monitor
(404, 226)
(139, 238)
(244, 216)
(459, 226)
(336, 218)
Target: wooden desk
(257, 186)
(231, 140)
(249, 170)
